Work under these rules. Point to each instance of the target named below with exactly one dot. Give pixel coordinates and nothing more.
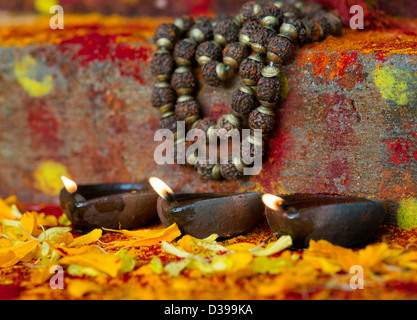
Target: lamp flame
(272, 201)
(161, 188)
(70, 185)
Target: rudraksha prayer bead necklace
(263, 36)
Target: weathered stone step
(77, 102)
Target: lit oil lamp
(203, 214)
(111, 205)
(348, 221)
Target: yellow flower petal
(29, 222)
(241, 246)
(21, 252)
(75, 251)
(323, 264)
(240, 260)
(7, 258)
(79, 288)
(6, 210)
(282, 243)
(143, 233)
(53, 233)
(167, 234)
(87, 238)
(107, 263)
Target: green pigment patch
(407, 213)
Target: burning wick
(274, 202)
(162, 189)
(71, 187)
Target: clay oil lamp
(111, 205)
(203, 214)
(348, 221)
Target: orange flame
(160, 187)
(272, 201)
(70, 185)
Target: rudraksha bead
(252, 146)
(247, 31)
(163, 97)
(233, 169)
(269, 87)
(290, 10)
(220, 17)
(308, 33)
(205, 125)
(270, 16)
(187, 109)
(228, 122)
(215, 73)
(180, 152)
(251, 68)
(225, 32)
(325, 26)
(201, 31)
(244, 101)
(203, 19)
(261, 38)
(250, 10)
(262, 118)
(294, 30)
(208, 51)
(336, 24)
(184, 52)
(208, 171)
(315, 29)
(184, 23)
(280, 49)
(162, 65)
(168, 121)
(234, 53)
(183, 80)
(166, 35)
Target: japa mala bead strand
(269, 31)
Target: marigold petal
(107, 263)
(87, 238)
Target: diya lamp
(203, 214)
(348, 221)
(109, 205)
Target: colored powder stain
(200, 7)
(32, 76)
(342, 63)
(394, 84)
(98, 47)
(400, 151)
(380, 57)
(320, 61)
(47, 177)
(269, 178)
(407, 213)
(331, 65)
(43, 125)
(43, 6)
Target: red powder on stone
(98, 47)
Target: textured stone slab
(77, 102)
